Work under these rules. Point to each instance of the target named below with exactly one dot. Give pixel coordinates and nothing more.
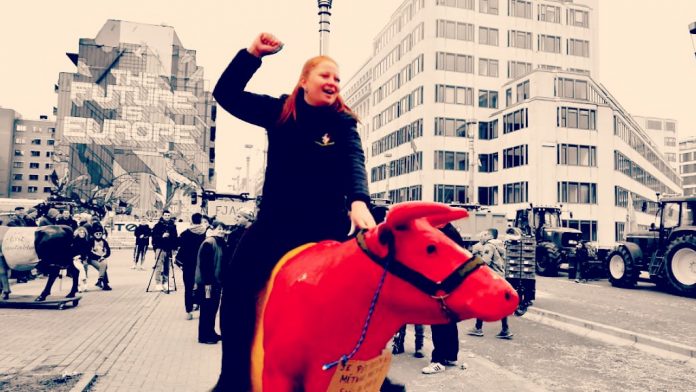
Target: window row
(515, 156)
(30, 189)
(488, 195)
(451, 193)
(408, 12)
(399, 108)
(631, 137)
(401, 78)
(577, 192)
(402, 135)
(454, 30)
(570, 88)
(457, 95)
(445, 126)
(587, 227)
(417, 35)
(32, 165)
(516, 192)
(576, 155)
(629, 168)
(451, 160)
(488, 99)
(488, 130)
(408, 193)
(488, 163)
(515, 121)
(640, 203)
(454, 62)
(567, 117)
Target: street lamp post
(239, 176)
(324, 25)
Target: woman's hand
(265, 44)
(360, 216)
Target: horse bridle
(439, 291)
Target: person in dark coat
(50, 218)
(64, 218)
(187, 257)
(164, 241)
(30, 218)
(315, 186)
(97, 257)
(142, 241)
(19, 218)
(208, 277)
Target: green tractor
(555, 244)
(667, 251)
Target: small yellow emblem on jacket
(325, 141)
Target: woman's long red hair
(290, 106)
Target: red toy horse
(319, 296)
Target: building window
(18, 164)
(549, 13)
(488, 163)
(18, 153)
(515, 156)
(488, 6)
(36, 153)
(577, 155)
(47, 189)
(520, 9)
(402, 135)
(519, 39)
(451, 193)
(671, 157)
(515, 121)
(578, 47)
(21, 128)
(588, 228)
(33, 165)
(16, 188)
(49, 154)
(670, 126)
(488, 195)
(454, 62)
(455, 127)
(549, 43)
(465, 4)
(670, 141)
(455, 30)
(570, 88)
(654, 124)
(488, 67)
(211, 155)
(213, 133)
(523, 91)
(457, 95)
(451, 160)
(18, 177)
(619, 230)
(488, 99)
(516, 192)
(48, 166)
(32, 189)
(46, 177)
(577, 18)
(488, 36)
(20, 140)
(567, 117)
(577, 192)
(488, 130)
(508, 97)
(50, 142)
(36, 142)
(33, 177)
(518, 68)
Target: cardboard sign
(230, 212)
(361, 376)
(18, 248)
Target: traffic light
(194, 198)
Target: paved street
(137, 341)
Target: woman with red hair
(315, 186)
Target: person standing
(99, 252)
(19, 218)
(445, 336)
(164, 240)
(208, 275)
(64, 218)
(50, 218)
(187, 257)
(493, 256)
(30, 218)
(313, 149)
(142, 241)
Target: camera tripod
(164, 257)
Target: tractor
(667, 251)
(555, 245)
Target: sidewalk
(137, 341)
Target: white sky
(646, 52)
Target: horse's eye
(431, 249)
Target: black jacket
(211, 256)
(158, 239)
(315, 163)
(17, 222)
(189, 243)
(99, 249)
(145, 231)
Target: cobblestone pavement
(138, 341)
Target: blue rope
(345, 358)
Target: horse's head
(436, 278)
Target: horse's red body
(318, 299)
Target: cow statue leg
(52, 275)
(4, 281)
(75, 275)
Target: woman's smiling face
(321, 86)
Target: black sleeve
(107, 249)
(357, 177)
(261, 110)
(206, 253)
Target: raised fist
(265, 44)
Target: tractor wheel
(680, 265)
(547, 259)
(621, 269)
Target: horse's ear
(438, 214)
